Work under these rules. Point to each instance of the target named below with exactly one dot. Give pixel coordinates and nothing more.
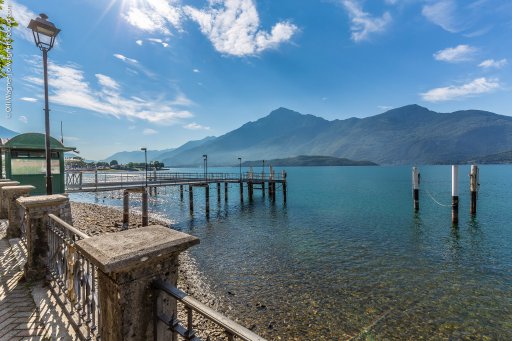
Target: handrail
(73, 278)
(232, 328)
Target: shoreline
(96, 219)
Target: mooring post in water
(241, 191)
(225, 191)
(181, 192)
(207, 198)
(190, 198)
(284, 186)
(455, 194)
(416, 188)
(126, 209)
(473, 188)
(145, 207)
(218, 191)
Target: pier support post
(126, 208)
(207, 198)
(455, 194)
(473, 188)
(241, 191)
(145, 219)
(181, 192)
(249, 190)
(284, 186)
(225, 191)
(128, 263)
(416, 188)
(218, 191)
(190, 198)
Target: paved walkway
(18, 313)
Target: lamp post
(263, 170)
(44, 33)
(205, 164)
(240, 159)
(146, 162)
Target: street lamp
(146, 162)
(240, 159)
(205, 164)
(44, 33)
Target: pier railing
(232, 329)
(79, 180)
(73, 278)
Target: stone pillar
(4, 208)
(14, 213)
(128, 262)
(37, 209)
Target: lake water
(347, 257)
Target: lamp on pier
(205, 164)
(240, 160)
(44, 33)
(145, 162)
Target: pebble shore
(95, 219)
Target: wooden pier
(87, 181)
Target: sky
(126, 74)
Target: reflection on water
(348, 257)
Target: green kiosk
(25, 161)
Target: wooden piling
(181, 192)
(455, 194)
(145, 220)
(249, 190)
(126, 209)
(225, 191)
(190, 198)
(218, 191)
(473, 188)
(207, 198)
(416, 188)
(241, 191)
(284, 186)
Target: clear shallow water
(347, 256)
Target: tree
(114, 163)
(6, 25)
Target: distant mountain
(406, 135)
(305, 160)
(184, 148)
(6, 133)
(156, 155)
(499, 158)
(136, 156)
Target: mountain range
(406, 135)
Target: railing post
(128, 262)
(3, 205)
(37, 209)
(10, 194)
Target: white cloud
(491, 63)
(362, 23)
(196, 70)
(158, 41)
(69, 88)
(443, 14)
(22, 15)
(233, 27)
(473, 88)
(460, 53)
(23, 119)
(107, 82)
(149, 131)
(28, 99)
(384, 107)
(125, 59)
(138, 42)
(195, 126)
(154, 15)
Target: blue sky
(158, 73)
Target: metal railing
(77, 180)
(73, 278)
(232, 329)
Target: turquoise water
(347, 256)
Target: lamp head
(44, 32)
